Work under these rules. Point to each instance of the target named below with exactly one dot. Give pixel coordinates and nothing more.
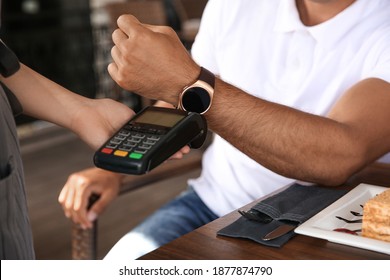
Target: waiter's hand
(98, 119)
(79, 187)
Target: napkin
(294, 205)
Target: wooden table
(204, 244)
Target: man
(301, 92)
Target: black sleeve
(9, 64)
(16, 107)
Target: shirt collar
(328, 33)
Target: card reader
(149, 138)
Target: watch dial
(196, 99)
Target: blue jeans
(180, 216)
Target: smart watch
(198, 96)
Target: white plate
(322, 224)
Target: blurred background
(69, 41)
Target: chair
(190, 13)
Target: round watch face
(196, 99)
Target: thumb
(98, 208)
(92, 216)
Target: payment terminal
(150, 138)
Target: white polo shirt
(262, 47)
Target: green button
(135, 155)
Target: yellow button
(120, 153)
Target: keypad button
(124, 132)
(145, 147)
(134, 140)
(135, 155)
(111, 146)
(125, 148)
(132, 143)
(136, 128)
(138, 136)
(120, 137)
(153, 137)
(121, 153)
(140, 151)
(115, 141)
(129, 144)
(149, 142)
(107, 151)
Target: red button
(107, 150)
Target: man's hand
(150, 60)
(80, 186)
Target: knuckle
(168, 30)
(121, 19)
(125, 19)
(83, 181)
(121, 78)
(71, 177)
(68, 205)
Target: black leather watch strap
(207, 76)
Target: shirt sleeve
(203, 49)
(379, 66)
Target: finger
(112, 69)
(81, 199)
(161, 29)
(185, 150)
(99, 206)
(69, 208)
(68, 203)
(116, 55)
(74, 188)
(62, 195)
(118, 36)
(127, 23)
(91, 216)
(80, 207)
(62, 199)
(177, 155)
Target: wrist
(183, 80)
(198, 96)
(78, 109)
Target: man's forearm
(287, 141)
